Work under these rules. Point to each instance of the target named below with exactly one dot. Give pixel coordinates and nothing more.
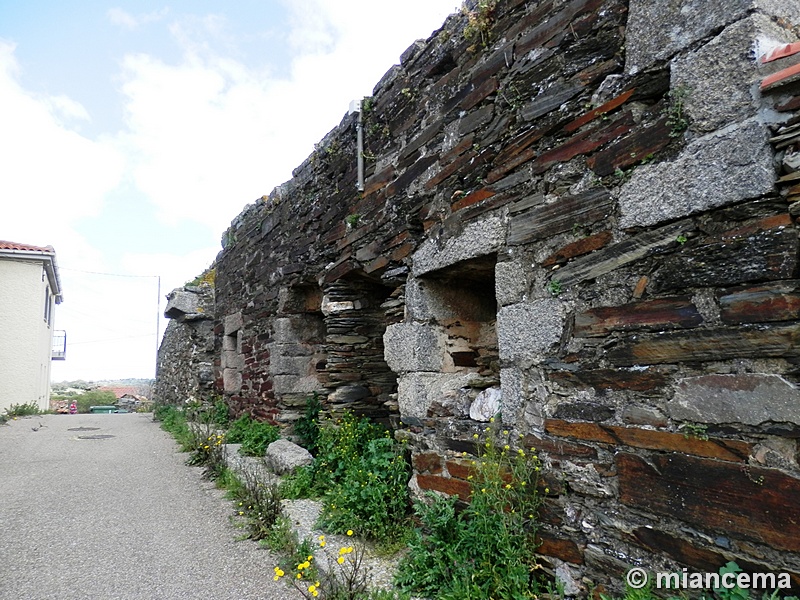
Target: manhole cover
(83, 429)
(99, 436)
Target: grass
(254, 436)
(20, 410)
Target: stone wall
(185, 369)
(579, 217)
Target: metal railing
(59, 345)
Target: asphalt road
(120, 517)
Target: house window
(48, 307)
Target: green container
(102, 409)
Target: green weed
(307, 426)
(22, 410)
(254, 436)
(361, 473)
(486, 550)
(676, 116)
(174, 421)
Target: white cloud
(111, 326)
(51, 174)
(124, 19)
(211, 134)
(202, 137)
(174, 270)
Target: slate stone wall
(581, 218)
(185, 368)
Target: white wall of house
(26, 337)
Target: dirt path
(102, 507)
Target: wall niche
(356, 375)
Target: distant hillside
(139, 386)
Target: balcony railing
(59, 345)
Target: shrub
(94, 398)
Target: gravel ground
(119, 518)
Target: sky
(133, 133)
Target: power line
(106, 274)
(130, 337)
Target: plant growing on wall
(676, 116)
(307, 426)
(479, 22)
(486, 550)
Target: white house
(29, 290)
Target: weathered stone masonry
(587, 225)
(186, 355)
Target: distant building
(120, 391)
(29, 290)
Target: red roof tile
(25, 247)
(782, 77)
(120, 390)
(781, 52)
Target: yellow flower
(349, 532)
(508, 486)
(483, 490)
(546, 490)
(506, 447)
(310, 557)
(340, 560)
(315, 593)
(299, 575)
(311, 588)
(505, 431)
(491, 421)
(475, 435)
(322, 544)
